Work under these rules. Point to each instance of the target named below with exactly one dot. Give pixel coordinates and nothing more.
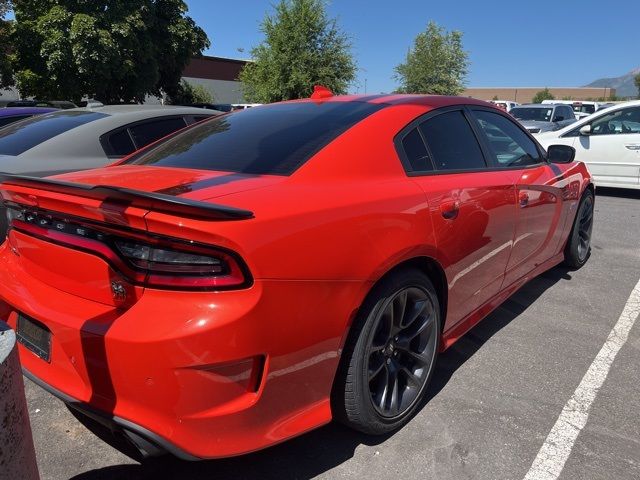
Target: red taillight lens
(144, 259)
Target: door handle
(632, 146)
(450, 209)
(523, 198)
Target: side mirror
(585, 129)
(559, 118)
(561, 154)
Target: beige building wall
(526, 94)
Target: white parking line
(557, 447)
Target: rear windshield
(19, 137)
(584, 108)
(274, 139)
(537, 114)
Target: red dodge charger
(253, 276)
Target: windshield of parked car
(19, 137)
(273, 139)
(532, 113)
(584, 108)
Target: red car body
(248, 359)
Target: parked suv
(538, 118)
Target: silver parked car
(538, 118)
(79, 139)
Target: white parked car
(608, 141)
(505, 105)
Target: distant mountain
(624, 85)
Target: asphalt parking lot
(494, 399)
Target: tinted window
(7, 120)
(273, 139)
(20, 137)
(452, 142)
(509, 144)
(120, 144)
(416, 152)
(145, 133)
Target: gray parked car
(79, 139)
(538, 118)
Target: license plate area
(34, 336)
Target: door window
(452, 143)
(619, 122)
(145, 133)
(509, 144)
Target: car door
(540, 206)
(472, 207)
(612, 149)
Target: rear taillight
(144, 259)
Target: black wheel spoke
(399, 306)
(382, 403)
(412, 378)
(394, 401)
(420, 358)
(417, 328)
(375, 371)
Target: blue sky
(510, 43)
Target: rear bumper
(147, 443)
(198, 374)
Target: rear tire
(390, 355)
(578, 248)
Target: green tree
(113, 50)
(636, 80)
(303, 47)
(188, 93)
(543, 95)
(6, 72)
(437, 63)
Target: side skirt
(452, 335)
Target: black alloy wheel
(390, 354)
(585, 226)
(401, 351)
(578, 247)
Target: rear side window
(8, 120)
(145, 133)
(17, 138)
(509, 144)
(452, 143)
(273, 139)
(416, 151)
(120, 143)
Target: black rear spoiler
(157, 202)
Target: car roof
(143, 110)
(433, 101)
